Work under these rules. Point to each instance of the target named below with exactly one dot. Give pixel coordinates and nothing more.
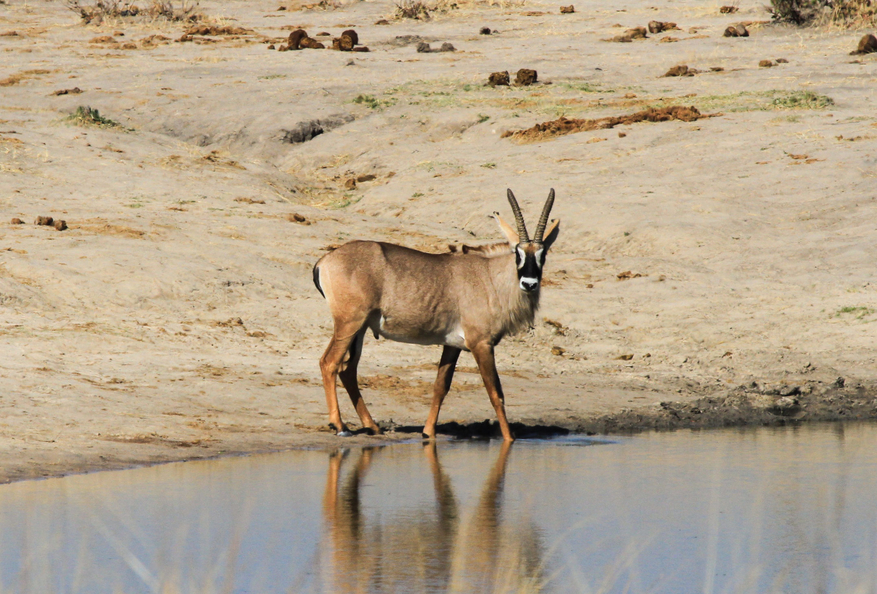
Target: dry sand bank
(729, 258)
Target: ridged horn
(519, 218)
(546, 210)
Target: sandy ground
(722, 267)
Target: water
(748, 510)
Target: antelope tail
(317, 281)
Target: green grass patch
(773, 100)
(88, 116)
(858, 312)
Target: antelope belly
(455, 337)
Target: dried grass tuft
(99, 10)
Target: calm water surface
(748, 510)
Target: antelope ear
(551, 233)
(510, 234)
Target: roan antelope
(463, 301)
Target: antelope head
(530, 253)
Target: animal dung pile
(348, 41)
(424, 48)
(498, 79)
(738, 30)
(630, 35)
(47, 222)
(660, 27)
(523, 78)
(681, 70)
(563, 126)
(867, 45)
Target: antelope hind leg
(348, 379)
(330, 364)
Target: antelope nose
(529, 284)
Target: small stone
(60, 225)
(382, 22)
(46, 221)
(423, 48)
(765, 64)
(350, 184)
(17, 221)
(447, 47)
(525, 77)
(781, 61)
(728, 9)
(558, 351)
(366, 178)
(308, 43)
(271, 46)
(485, 31)
(567, 9)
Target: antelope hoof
(344, 433)
(375, 431)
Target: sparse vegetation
(88, 116)
(859, 312)
(815, 12)
(802, 100)
(412, 9)
(97, 11)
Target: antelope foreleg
(440, 389)
(483, 353)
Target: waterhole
(747, 510)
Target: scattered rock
(567, 9)
(621, 135)
(271, 46)
(624, 357)
(781, 61)
(716, 69)
(423, 48)
(17, 221)
(485, 31)
(681, 70)
(558, 351)
(728, 9)
(660, 27)
(525, 77)
(361, 48)
(46, 221)
(366, 178)
(60, 225)
(350, 184)
(765, 64)
(668, 39)
(738, 30)
(867, 45)
(103, 39)
(498, 79)
(382, 22)
(627, 275)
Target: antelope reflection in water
(434, 550)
